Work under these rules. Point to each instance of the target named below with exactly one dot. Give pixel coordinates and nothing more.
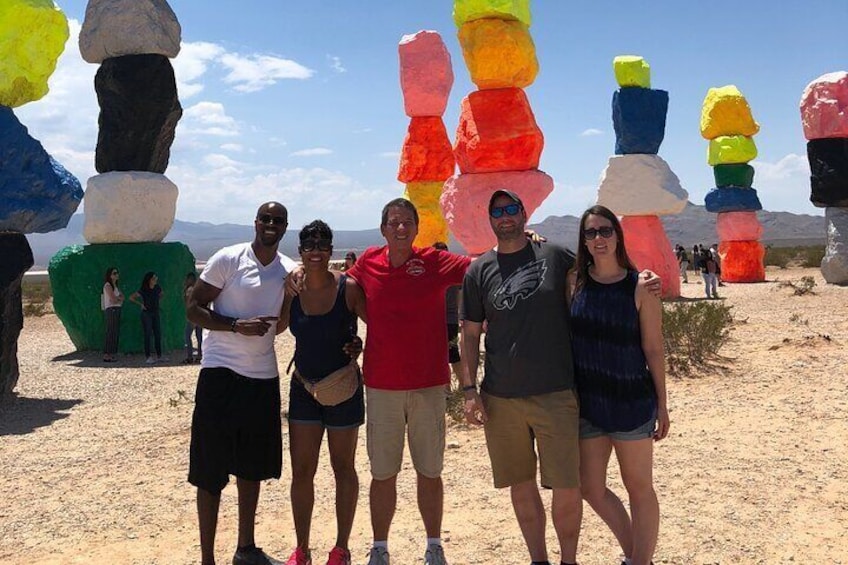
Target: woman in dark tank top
(322, 318)
(619, 363)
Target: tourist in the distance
(322, 318)
(452, 301)
(191, 327)
(349, 261)
(617, 342)
(148, 297)
(709, 268)
(683, 262)
(110, 302)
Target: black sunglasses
(509, 210)
(605, 232)
(308, 245)
(269, 219)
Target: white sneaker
(379, 556)
(434, 555)
(150, 361)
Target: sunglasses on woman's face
(605, 232)
(308, 245)
(509, 210)
(269, 219)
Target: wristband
(469, 387)
(233, 325)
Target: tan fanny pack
(335, 388)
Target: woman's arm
(355, 299)
(134, 298)
(650, 324)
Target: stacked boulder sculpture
(637, 183)
(824, 115)
(498, 143)
(427, 161)
(37, 194)
(130, 206)
(726, 120)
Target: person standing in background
(148, 297)
(191, 327)
(110, 302)
(452, 305)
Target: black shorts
(453, 343)
(304, 409)
(236, 429)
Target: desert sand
(755, 470)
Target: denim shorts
(645, 431)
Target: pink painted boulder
(426, 74)
(824, 106)
(465, 203)
(649, 248)
(738, 226)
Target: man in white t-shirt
(236, 427)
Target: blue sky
(300, 101)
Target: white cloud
(192, 63)
(252, 73)
(336, 64)
(208, 118)
(313, 152)
(785, 185)
(233, 147)
(591, 132)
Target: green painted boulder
(77, 277)
(465, 11)
(740, 174)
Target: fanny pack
(335, 388)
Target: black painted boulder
(17, 259)
(139, 111)
(828, 172)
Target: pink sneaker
(299, 557)
(339, 556)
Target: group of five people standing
(534, 311)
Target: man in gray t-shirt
(527, 405)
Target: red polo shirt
(407, 344)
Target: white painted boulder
(641, 185)
(834, 266)
(114, 28)
(129, 207)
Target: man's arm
(198, 312)
(475, 413)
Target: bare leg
(342, 456)
(636, 461)
(383, 500)
(207, 517)
(248, 498)
(431, 496)
(594, 459)
(530, 513)
(567, 511)
(304, 447)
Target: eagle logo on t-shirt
(520, 285)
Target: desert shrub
(35, 298)
(804, 286)
(778, 256)
(811, 257)
(456, 402)
(799, 256)
(693, 333)
(34, 309)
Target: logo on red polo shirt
(415, 267)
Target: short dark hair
(316, 229)
(440, 245)
(398, 203)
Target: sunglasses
(509, 210)
(605, 232)
(308, 245)
(268, 219)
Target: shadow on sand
(20, 415)
(94, 360)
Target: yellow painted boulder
(726, 112)
(32, 36)
(431, 222)
(465, 11)
(730, 149)
(632, 70)
(499, 53)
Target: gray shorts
(645, 431)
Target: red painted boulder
(738, 226)
(465, 203)
(426, 74)
(427, 153)
(742, 261)
(497, 132)
(649, 248)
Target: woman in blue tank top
(619, 363)
(322, 318)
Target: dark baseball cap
(509, 194)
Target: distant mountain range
(693, 225)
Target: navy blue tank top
(319, 339)
(612, 378)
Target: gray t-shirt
(522, 297)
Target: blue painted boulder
(732, 199)
(638, 115)
(37, 194)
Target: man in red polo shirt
(406, 370)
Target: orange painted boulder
(649, 248)
(427, 154)
(742, 261)
(738, 226)
(497, 132)
(431, 223)
(499, 53)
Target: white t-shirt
(104, 298)
(249, 289)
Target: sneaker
(299, 557)
(340, 556)
(434, 555)
(379, 556)
(150, 360)
(252, 556)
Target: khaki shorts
(550, 421)
(391, 414)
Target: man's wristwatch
(233, 325)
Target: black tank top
(319, 339)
